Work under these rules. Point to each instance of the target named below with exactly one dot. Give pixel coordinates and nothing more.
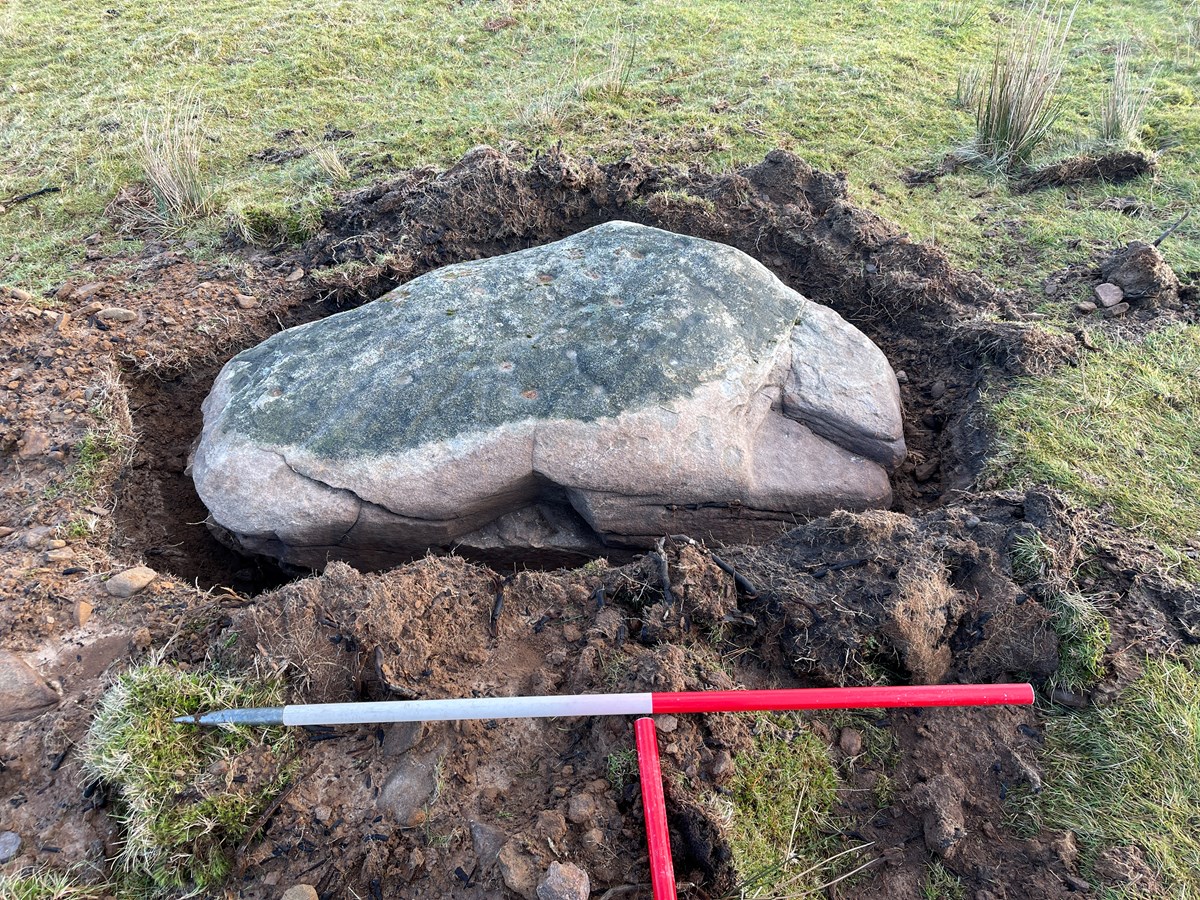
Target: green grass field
(865, 87)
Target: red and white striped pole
(643, 704)
(654, 808)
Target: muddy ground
(922, 593)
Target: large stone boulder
(600, 391)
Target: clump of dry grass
(1017, 104)
(919, 618)
(330, 162)
(1123, 106)
(180, 805)
(169, 154)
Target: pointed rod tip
(272, 715)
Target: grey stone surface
(410, 784)
(1109, 294)
(598, 391)
(23, 692)
(486, 840)
(10, 843)
(564, 881)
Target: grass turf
(1120, 432)
(1128, 774)
(181, 810)
(782, 795)
(865, 86)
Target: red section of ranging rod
(842, 698)
(662, 872)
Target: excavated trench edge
(159, 516)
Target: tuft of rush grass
(1119, 432)
(420, 82)
(330, 162)
(46, 884)
(1191, 28)
(956, 13)
(613, 81)
(170, 157)
(966, 90)
(180, 815)
(1123, 107)
(781, 829)
(1018, 103)
(1129, 774)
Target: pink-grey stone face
(596, 392)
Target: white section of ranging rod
(469, 708)
(432, 710)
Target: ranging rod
(642, 704)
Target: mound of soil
(924, 592)
(1117, 168)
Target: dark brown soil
(1117, 168)
(921, 593)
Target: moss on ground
(780, 829)
(1128, 774)
(186, 795)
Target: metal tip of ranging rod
(268, 715)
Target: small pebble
(582, 809)
(938, 390)
(1115, 312)
(564, 881)
(86, 291)
(850, 741)
(1109, 294)
(116, 314)
(1085, 306)
(129, 582)
(722, 764)
(301, 892)
(245, 301)
(593, 839)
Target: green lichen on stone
(613, 319)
